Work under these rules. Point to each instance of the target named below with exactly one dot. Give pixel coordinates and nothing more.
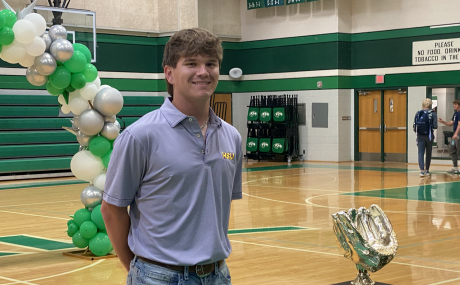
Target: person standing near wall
(178, 168)
(424, 122)
(454, 149)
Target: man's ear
(168, 74)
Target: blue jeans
(142, 272)
(424, 144)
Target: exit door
(382, 125)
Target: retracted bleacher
(31, 136)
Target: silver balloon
(34, 77)
(45, 64)
(75, 120)
(117, 124)
(47, 39)
(57, 32)
(62, 50)
(110, 131)
(91, 122)
(111, 119)
(91, 196)
(108, 102)
(83, 139)
(368, 239)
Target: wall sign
(436, 52)
(290, 2)
(256, 4)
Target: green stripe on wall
(7, 253)
(34, 242)
(42, 184)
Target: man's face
(456, 107)
(194, 77)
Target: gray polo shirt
(178, 187)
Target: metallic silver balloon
(62, 50)
(57, 32)
(34, 77)
(91, 196)
(110, 131)
(45, 64)
(108, 102)
(75, 120)
(91, 122)
(368, 239)
(117, 124)
(47, 39)
(83, 139)
(111, 119)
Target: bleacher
(31, 136)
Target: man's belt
(200, 270)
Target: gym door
(382, 125)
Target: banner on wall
(436, 52)
(256, 4)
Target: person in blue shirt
(425, 141)
(178, 169)
(454, 149)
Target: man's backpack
(423, 122)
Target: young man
(424, 122)
(454, 149)
(178, 168)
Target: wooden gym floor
(281, 231)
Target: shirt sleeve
(126, 170)
(237, 192)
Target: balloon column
(67, 72)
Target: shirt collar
(174, 116)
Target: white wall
(334, 143)
(372, 15)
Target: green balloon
(72, 228)
(77, 63)
(53, 90)
(96, 217)
(2, 21)
(59, 63)
(78, 80)
(99, 146)
(70, 88)
(81, 216)
(60, 78)
(100, 244)
(6, 36)
(83, 49)
(106, 159)
(90, 72)
(88, 229)
(111, 144)
(0, 48)
(9, 16)
(79, 241)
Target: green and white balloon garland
(67, 72)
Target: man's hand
(455, 137)
(441, 120)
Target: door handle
(385, 128)
(380, 128)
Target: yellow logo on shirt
(228, 155)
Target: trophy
(368, 239)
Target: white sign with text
(436, 52)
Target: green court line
(7, 253)
(444, 193)
(34, 242)
(265, 230)
(282, 167)
(41, 184)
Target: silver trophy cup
(368, 239)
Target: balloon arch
(66, 71)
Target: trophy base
(349, 282)
(363, 278)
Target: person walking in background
(454, 150)
(424, 122)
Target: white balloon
(61, 100)
(65, 109)
(86, 166)
(104, 86)
(24, 31)
(74, 94)
(89, 91)
(38, 21)
(97, 82)
(14, 52)
(36, 47)
(78, 105)
(27, 61)
(99, 181)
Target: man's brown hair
(457, 101)
(191, 42)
